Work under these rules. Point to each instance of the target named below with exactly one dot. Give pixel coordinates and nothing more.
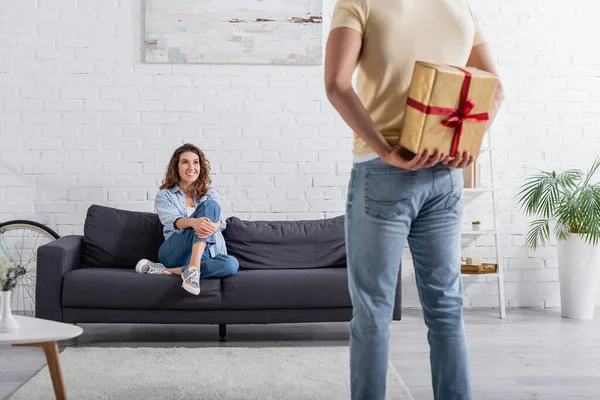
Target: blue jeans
(176, 251)
(386, 206)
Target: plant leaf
(566, 213)
(541, 193)
(561, 231)
(569, 198)
(539, 233)
(531, 192)
(592, 171)
(588, 204)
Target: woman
(192, 223)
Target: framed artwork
(234, 31)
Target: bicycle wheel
(19, 241)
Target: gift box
(447, 109)
(472, 176)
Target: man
(395, 196)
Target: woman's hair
(200, 186)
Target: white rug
(204, 373)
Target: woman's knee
(230, 265)
(208, 208)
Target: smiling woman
(189, 210)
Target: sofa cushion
(286, 289)
(114, 238)
(286, 244)
(119, 289)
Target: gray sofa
(290, 271)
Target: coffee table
(46, 334)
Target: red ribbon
(456, 116)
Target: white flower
(5, 266)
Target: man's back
(396, 33)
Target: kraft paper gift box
(447, 109)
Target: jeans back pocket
(387, 191)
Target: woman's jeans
(176, 251)
(386, 206)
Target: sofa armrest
(54, 260)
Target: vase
(7, 321)
(579, 271)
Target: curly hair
(172, 178)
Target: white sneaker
(148, 267)
(191, 280)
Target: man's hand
(462, 160)
(204, 227)
(396, 158)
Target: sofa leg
(222, 332)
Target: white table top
(36, 330)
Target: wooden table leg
(53, 360)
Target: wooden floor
(533, 354)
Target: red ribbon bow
(456, 116)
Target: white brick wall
(83, 121)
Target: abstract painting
(234, 31)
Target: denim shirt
(170, 205)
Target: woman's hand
(204, 227)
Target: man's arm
(481, 58)
(342, 55)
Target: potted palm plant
(568, 204)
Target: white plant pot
(579, 270)
(476, 227)
(7, 322)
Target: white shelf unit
(471, 194)
(479, 233)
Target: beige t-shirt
(396, 33)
